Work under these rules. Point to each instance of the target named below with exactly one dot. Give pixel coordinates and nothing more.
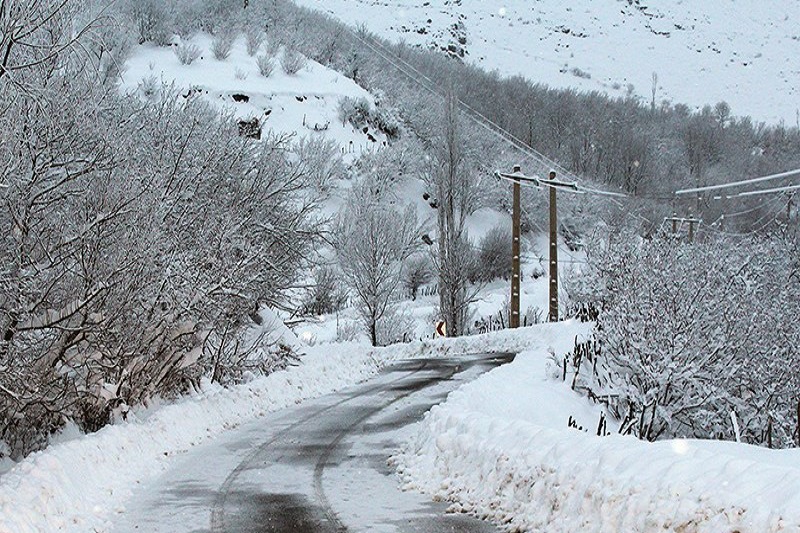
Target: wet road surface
(320, 467)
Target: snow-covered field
(500, 448)
(79, 485)
(745, 52)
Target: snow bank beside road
(77, 486)
(500, 448)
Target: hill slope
(744, 52)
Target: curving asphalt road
(319, 467)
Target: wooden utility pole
(691, 221)
(516, 178)
(515, 251)
(553, 315)
(552, 183)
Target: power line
(475, 116)
(739, 183)
(422, 80)
(767, 191)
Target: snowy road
(319, 467)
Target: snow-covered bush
(691, 333)
(293, 61)
(222, 44)
(254, 38)
(359, 112)
(234, 354)
(151, 20)
(272, 47)
(396, 326)
(150, 86)
(321, 160)
(266, 66)
(494, 255)
(418, 273)
(388, 121)
(355, 111)
(187, 53)
(326, 295)
(115, 294)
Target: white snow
(302, 105)
(745, 52)
(500, 448)
(79, 485)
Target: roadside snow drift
(500, 448)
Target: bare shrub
(254, 38)
(273, 47)
(293, 61)
(150, 87)
(222, 45)
(266, 66)
(187, 53)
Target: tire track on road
(324, 458)
(217, 522)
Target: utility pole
(516, 222)
(515, 251)
(552, 183)
(691, 221)
(553, 252)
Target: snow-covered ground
(744, 52)
(500, 448)
(303, 105)
(80, 484)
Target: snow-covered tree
(454, 182)
(691, 333)
(372, 241)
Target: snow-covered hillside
(744, 52)
(305, 104)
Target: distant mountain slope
(745, 52)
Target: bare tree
(456, 185)
(372, 242)
(33, 35)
